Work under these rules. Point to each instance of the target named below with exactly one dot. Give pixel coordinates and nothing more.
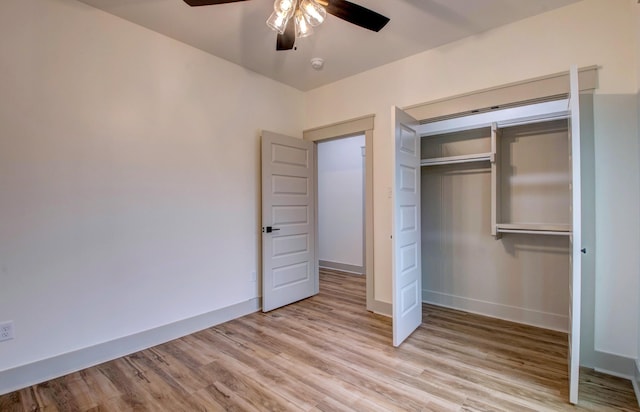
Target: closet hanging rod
(476, 157)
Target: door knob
(269, 229)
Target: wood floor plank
(11, 403)
(328, 353)
(265, 369)
(160, 382)
(251, 390)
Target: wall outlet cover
(6, 331)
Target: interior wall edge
(496, 310)
(636, 381)
(50, 368)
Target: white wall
(340, 200)
(129, 176)
(590, 32)
(637, 43)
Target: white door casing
(575, 284)
(288, 221)
(407, 259)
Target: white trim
(381, 308)
(343, 267)
(575, 291)
(636, 380)
(607, 371)
(540, 319)
(507, 95)
(614, 365)
(340, 129)
(348, 128)
(50, 368)
(363, 152)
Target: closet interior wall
(513, 276)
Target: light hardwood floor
(328, 353)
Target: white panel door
(288, 221)
(575, 284)
(407, 259)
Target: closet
(496, 215)
(484, 212)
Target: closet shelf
(475, 157)
(534, 229)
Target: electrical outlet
(253, 277)
(6, 330)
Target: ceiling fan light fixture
(313, 12)
(303, 28)
(278, 22)
(308, 14)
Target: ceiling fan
(293, 19)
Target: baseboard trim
(381, 308)
(636, 380)
(614, 365)
(495, 310)
(344, 267)
(50, 368)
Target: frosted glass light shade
(303, 28)
(313, 12)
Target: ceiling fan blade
(287, 40)
(194, 3)
(358, 15)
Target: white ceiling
(237, 32)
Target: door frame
(348, 128)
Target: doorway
(361, 125)
(341, 206)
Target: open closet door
(407, 259)
(575, 285)
(288, 233)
